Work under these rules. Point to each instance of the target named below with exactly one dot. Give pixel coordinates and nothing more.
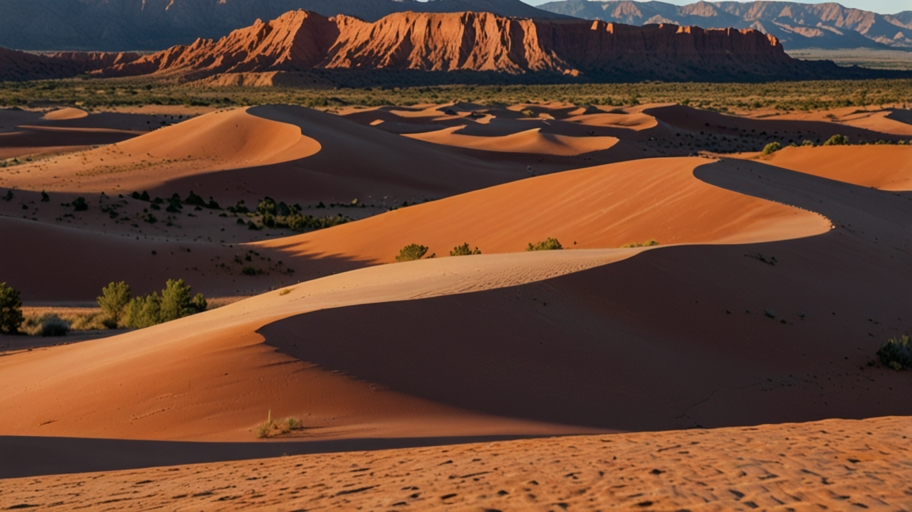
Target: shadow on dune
(674, 338)
(35, 456)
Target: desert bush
(10, 310)
(80, 204)
(411, 252)
(174, 302)
(837, 140)
(771, 148)
(806, 142)
(464, 250)
(550, 244)
(53, 326)
(114, 300)
(647, 243)
(271, 428)
(896, 353)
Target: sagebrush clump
(550, 244)
(647, 243)
(175, 301)
(837, 140)
(464, 250)
(896, 353)
(771, 148)
(411, 252)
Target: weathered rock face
(478, 42)
(467, 44)
(797, 25)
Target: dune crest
(530, 142)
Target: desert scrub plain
(724, 97)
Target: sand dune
(882, 167)
(65, 114)
(832, 464)
(600, 207)
(530, 142)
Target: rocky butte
(411, 47)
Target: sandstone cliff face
(476, 42)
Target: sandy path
(834, 464)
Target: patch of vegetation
(896, 353)
(771, 148)
(80, 204)
(550, 244)
(464, 250)
(837, 140)
(174, 302)
(47, 325)
(270, 428)
(412, 252)
(114, 300)
(647, 243)
(10, 310)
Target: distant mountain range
(797, 25)
(126, 25)
(409, 48)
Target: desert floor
(704, 289)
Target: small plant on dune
(114, 300)
(80, 204)
(53, 326)
(464, 250)
(647, 243)
(286, 291)
(10, 310)
(550, 244)
(837, 140)
(808, 143)
(271, 428)
(411, 252)
(771, 148)
(896, 353)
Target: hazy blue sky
(881, 6)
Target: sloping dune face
(531, 141)
(882, 167)
(65, 114)
(601, 207)
(221, 140)
(214, 377)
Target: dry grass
(270, 428)
(79, 319)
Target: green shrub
(464, 250)
(647, 243)
(837, 140)
(771, 148)
(809, 143)
(411, 252)
(550, 244)
(896, 353)
(114, 300)
(174, 302)
(80, 204)
(10, 310)
(53, 326)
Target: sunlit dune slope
(220, 140)
(878, 166)
(599, 207)
(531, 141)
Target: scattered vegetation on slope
(647, 243)
(270, 428)
(175, 301)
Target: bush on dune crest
(550, 244)
(464, 250)
(10, 310)
(412, 252)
